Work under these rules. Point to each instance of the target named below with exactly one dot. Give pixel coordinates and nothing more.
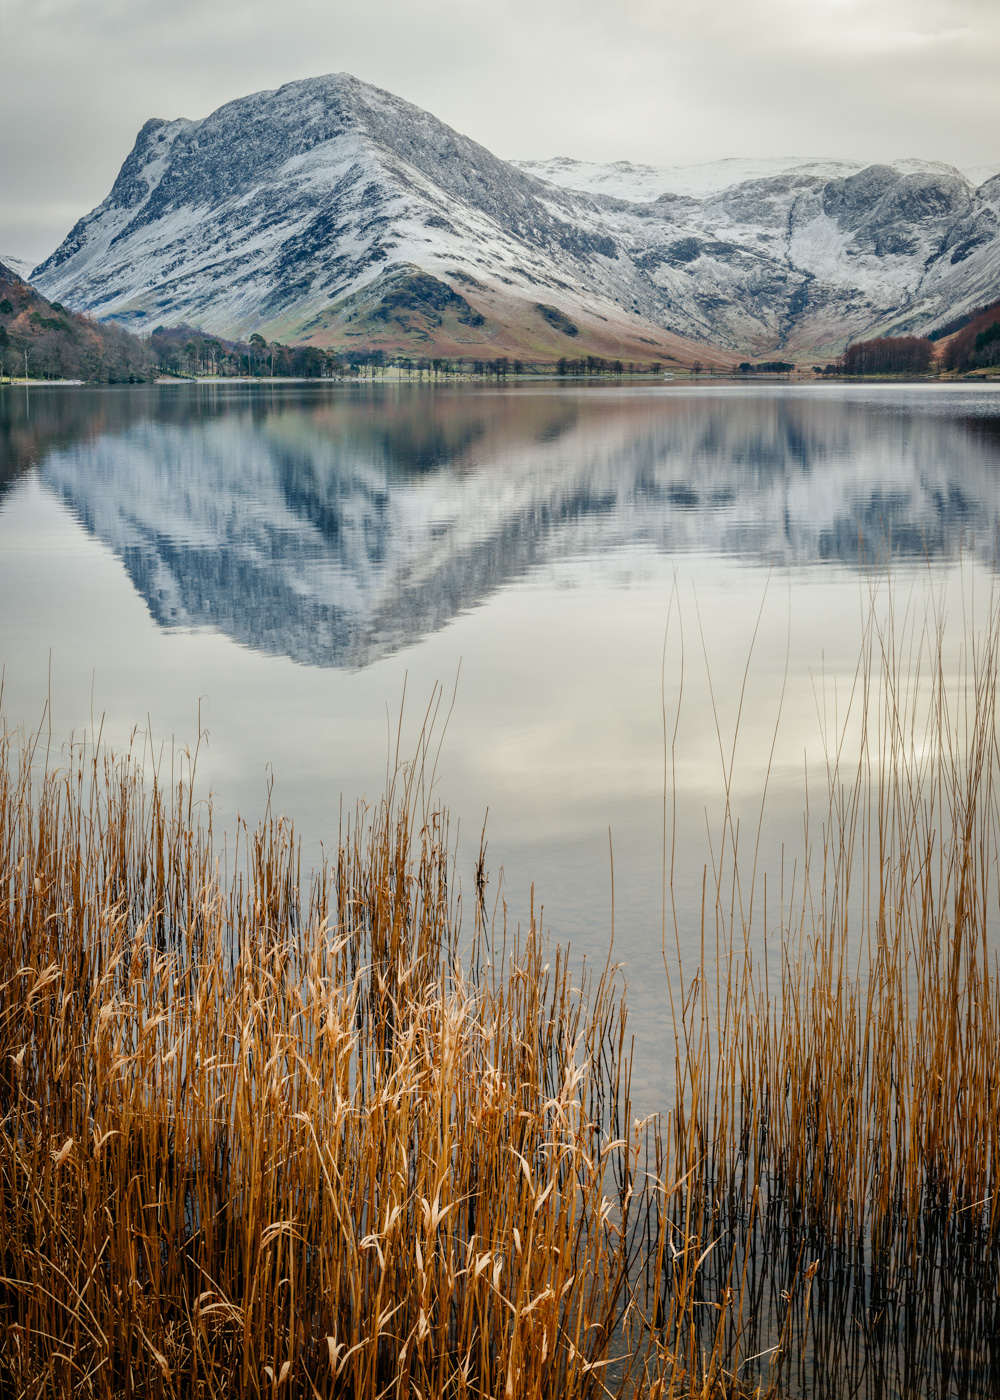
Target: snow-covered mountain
(639, 184)
(21, 267)
(332, 211)
(335, 538)
(819, 251)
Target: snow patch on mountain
(280, 207)
(20, 266)
(644, 183)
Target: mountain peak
(276, 211)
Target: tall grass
(269, 1136)
(261, 1141)
(838, 1048)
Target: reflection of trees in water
(404, 428)
(34, 420)
(336, 524)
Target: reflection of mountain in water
(335, 530)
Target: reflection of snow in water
(334, 537)
(339, 526)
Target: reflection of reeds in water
(263, 1139)
(839, 1108)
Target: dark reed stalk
(838, 1124)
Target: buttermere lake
(635, 624)
(599, 578)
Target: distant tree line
(898, 354)
(501, 366)
(185, 351)
(181, 350)
(593, 364)
(766, 367)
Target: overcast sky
(662, 81)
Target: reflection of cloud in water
(335, 530)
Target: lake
(579, 567)
(626, 607)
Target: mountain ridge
(276, 212)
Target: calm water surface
(586, 563)
(287, 559)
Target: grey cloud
(663, 81)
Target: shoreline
(678, 378)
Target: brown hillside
(407, 311)
(976, 345)
(54, 343)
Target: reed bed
(838, 1050)
(256, 1141)
(263, 1135)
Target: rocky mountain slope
(819, 250)
(332, 211)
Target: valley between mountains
(333, 213)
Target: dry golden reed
(858, 1060)
(261, 1143)
(268, 1137)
